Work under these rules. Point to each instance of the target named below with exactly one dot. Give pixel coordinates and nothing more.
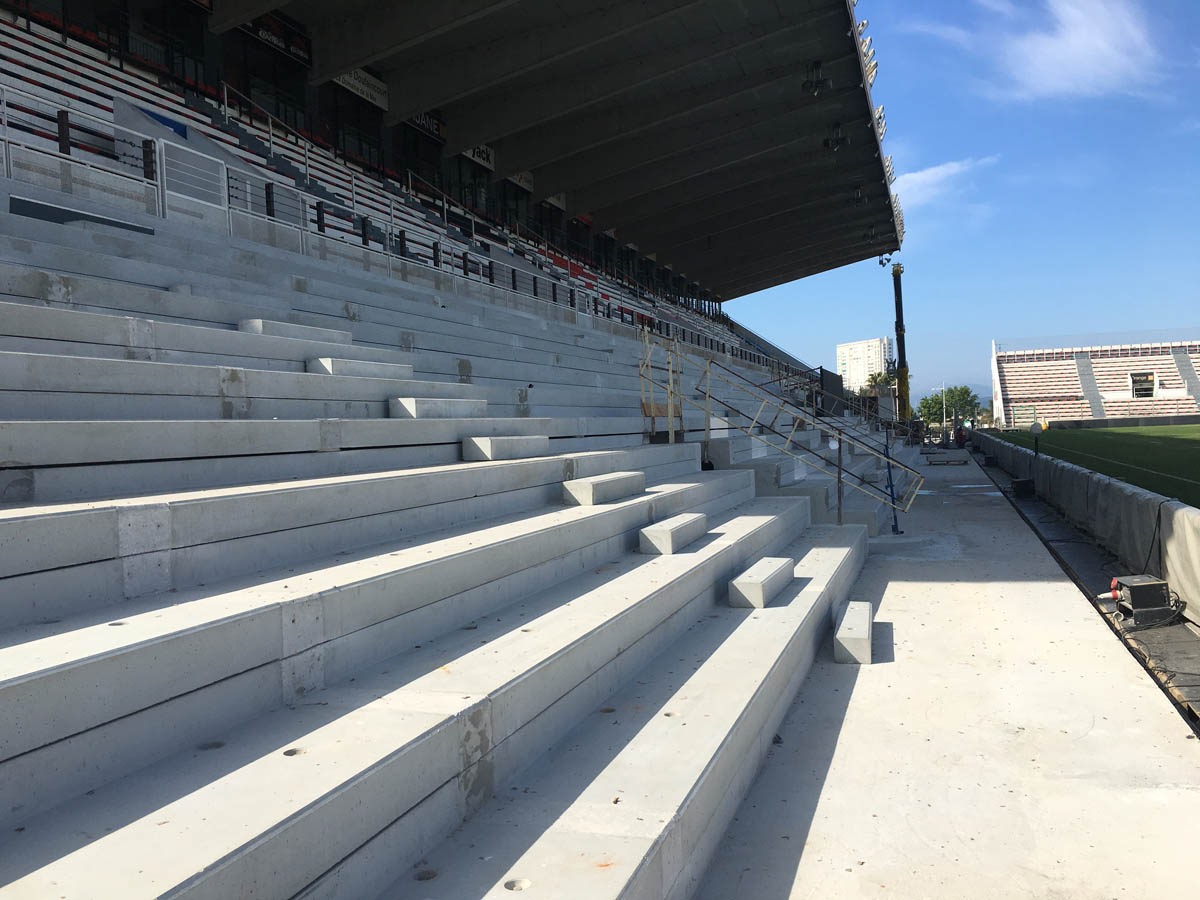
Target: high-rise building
(859, 360)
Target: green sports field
(1160, 458)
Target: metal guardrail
(677, 365)
(151, 175)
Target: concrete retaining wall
(1146, 531)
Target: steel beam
(360, 35)
(804, 148)
(733, 288)
(734, 210)
(536, 147)
(419, 85)
(759, 172)
(518, 108)
(661, 144)
(814, 214)
(755, 250)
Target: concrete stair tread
(596, 815)
(95, 375)
(357, 368)
(78, 328)
(36, 443)
(248, 787)
(436, 408)
(53, 662)
(100, 529)
(288, 329)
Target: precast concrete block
(607, 488)
(852, 637)
(287, 329)
(673, 534)
(475, 449)
(326, 365)
(755, 587)
(436, 408)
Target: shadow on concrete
(883, 649)
(784, 797)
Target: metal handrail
(238, 191)
(446, 201)
(675, 361)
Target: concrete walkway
(1003, 744)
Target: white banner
(484, 155)
(365, 85)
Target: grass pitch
(1160, 458)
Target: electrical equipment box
(1023, 488)
(1143, 599)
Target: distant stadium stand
(1109, 381)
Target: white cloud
(951, 34)
(1000, 7)
(1090, 48)
(916, 189)
(1085, 48)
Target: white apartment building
(858, 360)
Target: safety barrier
(1148, 532)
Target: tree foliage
(960, 401)
(879, 383)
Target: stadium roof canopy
(732, 140)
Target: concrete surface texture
(1003, 743)
(302, 566)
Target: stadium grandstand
(1077, 380)
(365, 369)
(390, 504)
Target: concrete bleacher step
(759, 584)
(287, 329)
(32, 328)
(412, 742)
(357, 367)
(595, 490)
(509, 446)
(610, 382)
(633, 801)
(54, 461)
(308, 624)
(64, 559)
(852, 633)
(858, 508)
(672, 535)
(312, 295)
(40, 386)
(435, 408)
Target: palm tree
(879, 383)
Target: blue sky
(1048, 154)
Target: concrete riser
(679, 854)
(665, 618)
(627, 643)
(89, 560)
(776, 700)
(65, 701)
(415, 638)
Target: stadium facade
(1151, 380)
